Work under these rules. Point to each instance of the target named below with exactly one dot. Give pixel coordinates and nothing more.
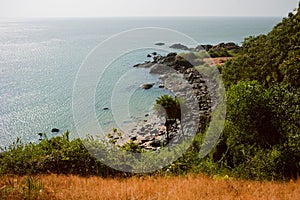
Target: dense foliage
(261, 134)
(271, 58)
(55, 155)
(262, 130)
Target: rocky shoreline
(207, 47)
(179, 76)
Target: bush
(55, 155)
(261, 135)
(219, 53)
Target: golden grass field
(187, 187)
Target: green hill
(271, 58)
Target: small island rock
(55, 130)
(147, 86)
(160, 44)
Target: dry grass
(189, 187)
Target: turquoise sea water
(39, 60)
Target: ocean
(39, 61)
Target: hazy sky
(94, 8)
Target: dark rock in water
(161, 86)
(154, 53)
(105, 108)
(40, 134)
(146, 115)
(149, 56)
(160, 44)
(147, 86)
(55, 130)
(179, 46)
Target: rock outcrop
(207, 47)
(226, 46)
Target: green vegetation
(262, 131)
(270, 59)
(219, 53)
(29, 187)
(261, 138)
(169, 106)
(55, 155)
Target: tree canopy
(271, 58)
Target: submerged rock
(161, 86)
(160, 44)
(55, 130)
(147, 86)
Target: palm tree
(169, 106)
